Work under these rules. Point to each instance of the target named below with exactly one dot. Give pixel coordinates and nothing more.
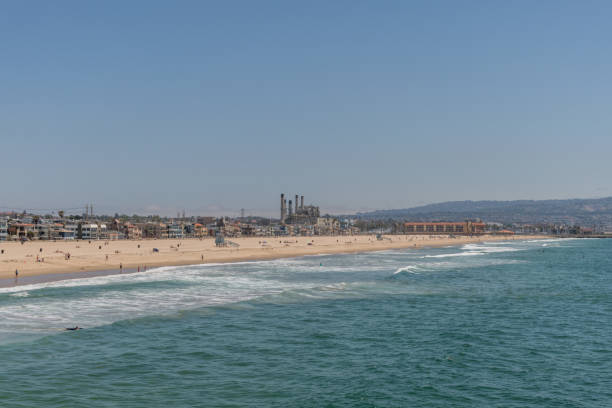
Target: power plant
(297, 212)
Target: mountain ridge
(589, 211)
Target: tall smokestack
(302, 205)
(283, 208)
(297, 203)
(290, 209)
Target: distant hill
(575, 211)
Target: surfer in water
(74, 328)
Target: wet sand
(53, 277)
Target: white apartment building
(3, 229)
(93, 231)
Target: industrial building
(298, 213)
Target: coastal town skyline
(297, 217)
(583, 207)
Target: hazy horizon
(156, 108)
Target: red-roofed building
(456, 228)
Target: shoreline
(88, 265)
(57, 277)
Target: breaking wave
(41, 308)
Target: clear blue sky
(150, 106)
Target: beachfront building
(153, 230)
(194, 230)
(189, 230)
(175, 230)
(87, 231)
(199, 230)
(55, 231)
(132, 231)
(124, 230)
(3, 229)
(41, 230)
(92, 231)
(301, 230)
(456, 228)
(68, 232)
(247, 230)
(347, 227)
(22, 230)
(327, 226)
(46, 230)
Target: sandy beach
(38, 258)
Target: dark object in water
(74, 328)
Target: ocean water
(505, 324)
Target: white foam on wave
(107, 300)
(445, 266)
(489, 248)
(552, 240)
(98, 280)
(95, 301)
(103, 300)
(408, 268)
(333, 287)
(165, 273)
(470, 253)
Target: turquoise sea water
(513, 324)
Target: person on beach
(16, 273)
